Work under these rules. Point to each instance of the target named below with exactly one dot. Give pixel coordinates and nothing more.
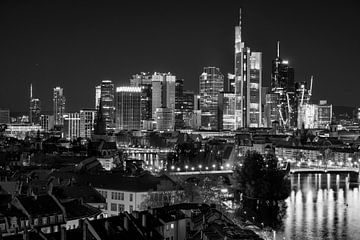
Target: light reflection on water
(322, 206)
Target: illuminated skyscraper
(227, 111)
(163, 93)
(71, 128)
(108, 103)
(247, 83)
(97, 96)
(282, 85)
(35, 108)
(211, 84)
(47, 122)
(144, 80)
(179, 101)
(87, 121)
(128, 108)
(59, 101)
(4, 116)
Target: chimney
(144, 220)
(126, 223)
(63, 233)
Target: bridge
(227, 173)
(325, 170)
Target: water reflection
(322, 206)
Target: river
(322, 206)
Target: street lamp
(200, 166)
(214, 166)
(172, 167)
(192, 168)
(186, 167)
(206, 168)
(178, 169)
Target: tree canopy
(260, 178)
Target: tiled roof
(87, 193)
(40, 205)
(75, 209)
(116, 181)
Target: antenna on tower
(240, 21)
(31, 93)
(278, 49)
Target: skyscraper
(128, 108)
(282, 85)
(4, 116)
(71, 128)
(144, 80)
(211, 84)
(163, 92)
(59, 101)
(179, 101)
(227, 111)
(35, 108)
(108, 103)
(97, 96)
(87, 121)
(247, 82)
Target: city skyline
(76, 65)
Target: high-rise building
(59, 101)
(179, 101)
(254, 88)
(227, 111)
(87, 121)
(247, 83)
(163, 91)
(282, 84)
(128, 108)
(97, 96)
(164, 118)
(4, 116)
(187, 107)
(324, 115)
(144, 80)
(47, 122)
(35, 108)
(108, 103)
(71, 128)
(211, 84)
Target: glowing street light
(206, 168)
(172, 167)
(186, 167)
(200, 166)
(214, 166)
(192, 168)
(178, 169)
(222, 167)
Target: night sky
(76, 45)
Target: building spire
(278, 50)
(240, 22)
(31, 93)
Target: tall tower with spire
(248, 81)
(34, 108)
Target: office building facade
(211, 84)
(128, 108)
(87, 121)
(59, 101)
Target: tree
(263, 187)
